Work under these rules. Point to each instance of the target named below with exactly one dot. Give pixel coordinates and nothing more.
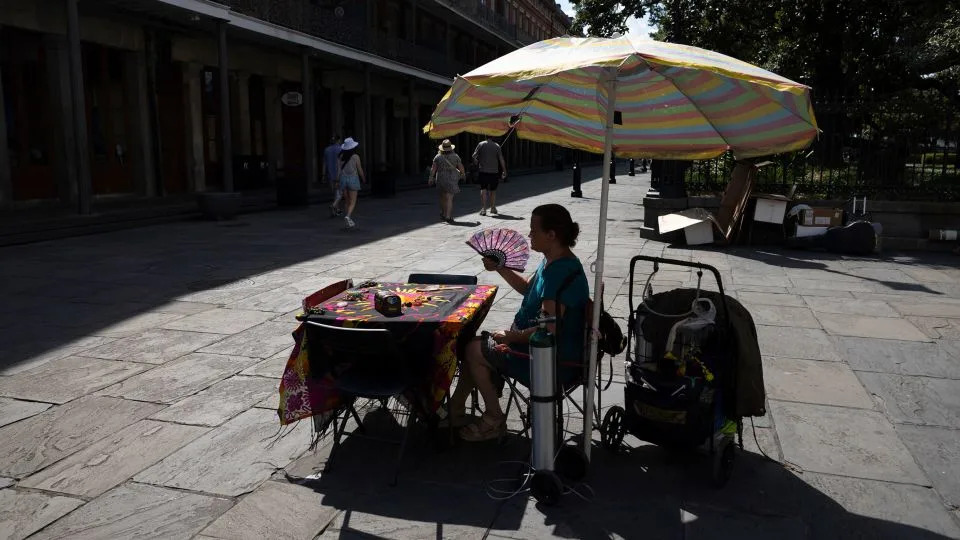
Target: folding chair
(364, 363)
(442, 279)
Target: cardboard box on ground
(698, 224)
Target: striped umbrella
(672, 101)
(637, 98)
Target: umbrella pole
(590, 385)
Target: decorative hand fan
(507, 246)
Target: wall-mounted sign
(292, 99)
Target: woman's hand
(506, 336)
(490, 264)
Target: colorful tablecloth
(434, 324)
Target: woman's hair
(556, 218)
(345, 155)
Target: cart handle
(674, 262)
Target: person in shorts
(491, 168)
(351, 176)
(552, 232)
(331, 173)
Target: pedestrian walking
(446, 173)
(351, 176)
(491, 168)
(331, 167)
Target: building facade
(116, 99)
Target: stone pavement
(140, 368)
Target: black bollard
(631, 171)
(576, 181)
(643, 165)
(613, 171)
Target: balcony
(474, 10)
(347, 26)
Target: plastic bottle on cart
(644, 348)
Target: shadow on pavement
(63, 297)
(640, 492)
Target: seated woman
(553, 233)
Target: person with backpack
(446, 173)
(558, 288)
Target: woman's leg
(443, 204)
(482, 378)
(351, 197)
(448, 205)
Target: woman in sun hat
(351, 176)
(446, 173)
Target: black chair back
(362, 361)
(442, 279)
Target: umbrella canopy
(637, 98)
(672, 101)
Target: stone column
(64, 154)
(309, 118)
(226, 140)
(414, 134)
(367, 124)
(274, 126)
(336, 109)
(380, 129)
(78, 137)
(193, 109)
(240, 111)
(140, 141)
(6, 182)
(412, 22)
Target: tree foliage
(838, 47)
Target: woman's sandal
(484, 430)
(457, 421)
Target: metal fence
(897, 149)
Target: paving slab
(523, 518)
(136, 324)
(768, 279)
(841, 441)
(13, 410)
(23, 513)
(261, 341)
(938, 452)
(916, 400)
(870, 327)
(30, 355)
(32, 444)
(275, 510)
(936, 359)
(710, 523)
(154, 346)
(813, 381)
(794, 317)
(807, 343)
(848, 306)
(770, 299)
(183, 308)
(927, 309)
(220, 402)
(220, 321)
(936, 327)
(276, 301)
(180, 378)
(830, 285)
(113, 459)
(232, 459)
(137, 511)
(271, 367)
(66, 379)
(872, 509)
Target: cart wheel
(723, 461)
(571, 463)
(546, 487)
(612, 429)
